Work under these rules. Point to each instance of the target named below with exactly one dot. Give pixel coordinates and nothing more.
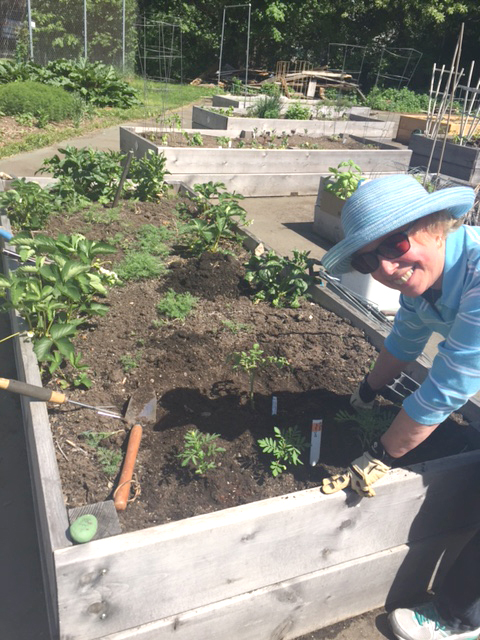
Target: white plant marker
(315, 441)
(274, 405)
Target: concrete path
(284, 224)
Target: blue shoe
(424, 623)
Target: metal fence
(100, 31)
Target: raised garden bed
(459, 161)
(204, 119)
(262, 172)
(278, 567)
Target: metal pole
(248, 51)
(221, 48)
(123, 36)
(30, 33)
(85, 52)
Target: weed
(130, 361)
(237, 327)
(175, 305)
(200, 450)
(139, 265)
(109, 459)
(286, 447)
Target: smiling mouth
(404, 279)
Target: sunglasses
(394, 246)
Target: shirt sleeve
(409, 334)
(455, 373)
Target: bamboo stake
(429, 124)
(454, 61)
(457, 62)
(430, 97)
(467, 91)
(473, 124)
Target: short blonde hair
(439, 221)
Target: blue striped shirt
(455, 373)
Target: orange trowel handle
(120, 498)
(31, 390)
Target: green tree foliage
(302, 29)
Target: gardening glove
(364, 396)
(362, 473)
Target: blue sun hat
(382, 205)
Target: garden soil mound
(187, 364)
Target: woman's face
(420, 268)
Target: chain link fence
(99, 31)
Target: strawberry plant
(280, 281)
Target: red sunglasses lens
(394, 246)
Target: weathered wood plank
(306, 603)
(148, 575)
(49, 506)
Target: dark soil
(262, 140)
(186, 364)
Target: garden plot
(369, 128)
(218, 574)
(458, 161)
(263, 172)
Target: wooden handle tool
(122, 492)
(49, 395)
(40, 393)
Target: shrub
(44, 101)
(266, 107)
(402, 100)
(297, 111)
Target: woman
(414, 242)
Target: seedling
(369, 424)
(200, 451)
(130, 361)
(286, 448)
(253, 360)
(343, 183)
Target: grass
(158, 98)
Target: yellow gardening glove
(361, 474)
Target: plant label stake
(315, 441)
(274, 405)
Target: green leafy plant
(282, 282)
(148, 174)
(200, 450)
(369, 424)
(286, 447)
(109, 459)
(342, 182)
(251, 362)
(212, 221)
(193, 139)
(237, 327)
(27, 205)
(402, 100)
(224, 141)
(297, 111)
(94, 175)
(56, 294)
(175, 305)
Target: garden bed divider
(277, 568)
(262, 172)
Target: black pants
(458, 600)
